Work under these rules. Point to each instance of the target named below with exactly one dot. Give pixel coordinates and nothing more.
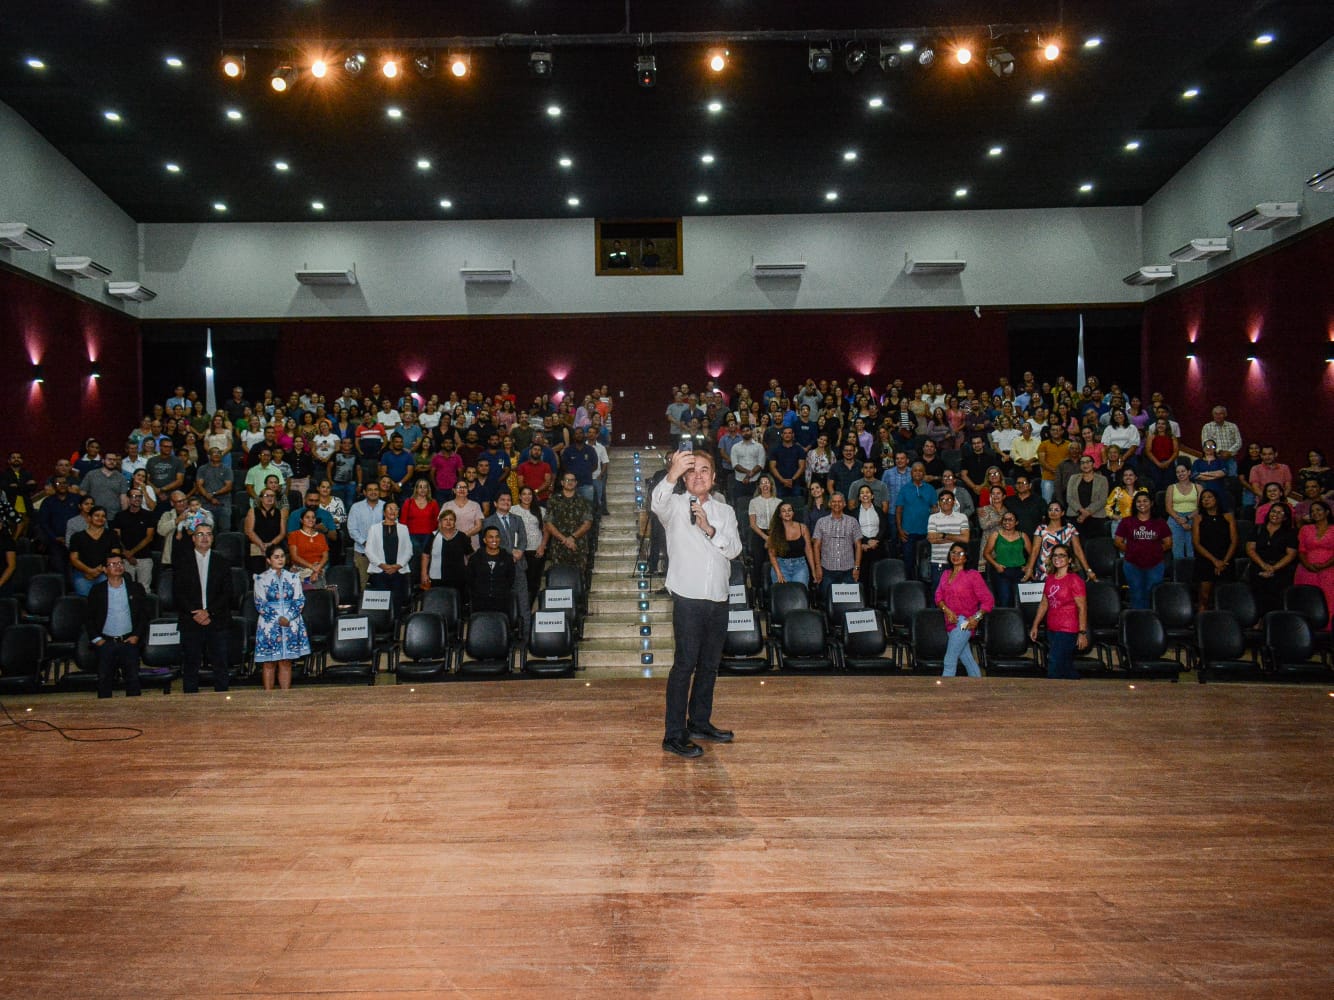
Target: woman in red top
(964, 597)
(1065, 607)
(420, 513)
(1161, 449)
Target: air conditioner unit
(21, 236)
(1323, 181)
(81, 267)
(1151, 274)
(1265, 215)
(327, 276)
(478, 275)
(1201, 249)
(924, 267)
(130, 290)
(777, 268)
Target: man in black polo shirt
(1027, 506)
(135, 529)
(975, 463)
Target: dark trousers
(699, 629)
(111, 657)
(195, 643)
(398, 584)
(1061, 655)
(910, 556)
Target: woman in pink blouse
(964, 598)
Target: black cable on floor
(42, 726)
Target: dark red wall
(65, 334)
(1278, 308)
(641, 355)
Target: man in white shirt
(1225, 434)
(702, 541)
(747, 464)
(364, 515)
(600, 473)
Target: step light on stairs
(628, 631)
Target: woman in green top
(1007, 553)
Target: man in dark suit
(202, 590)
(116, 622)
(513, 540)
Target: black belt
(118, 638)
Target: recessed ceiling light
(174, 62)
(318, 206)
(423, 164)
(702, 198)
(961, 192)
(173, 168)
(111, 116)
(572, 201)
(1085, 188)
(394, 112)
(1132, 145)
(1264, 39)
(446, 203)
(706, 159)
(553, 110)
(906, 47)
(565, 162)
(235, 114)
(280, 165)
(831, 196)
(850, 155)
(35, 63)
(875, 103)
(995, 150)
(715, 107)
(1191, 93)
(1092, 43)
(1037, 97)
(319, 69)
(219, 206)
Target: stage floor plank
(863, 837)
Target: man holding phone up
(702, 540)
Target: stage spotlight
(354, 63)
(646, 69)
(233, 66)
(964, 55)
(820, 58)
(1051, 52)
(319, 69)
(718, 59)
(890, 57)
(283, 78)
(1001, 62)
(539, 64)
(854, 57)
(389, 67)
(424, 64)
(926, 57)
(459, 64)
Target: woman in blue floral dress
(280, 637)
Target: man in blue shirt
(396, 463)
(806, 430)
(581, 460)
(912, 508)
(787, 464)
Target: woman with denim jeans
(1065, 608)
(789, 547)
(1183, 502)
(1144, 540)
(963, 597)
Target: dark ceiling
(779, 142)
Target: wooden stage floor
(863, 837)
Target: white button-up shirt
(697, 565)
